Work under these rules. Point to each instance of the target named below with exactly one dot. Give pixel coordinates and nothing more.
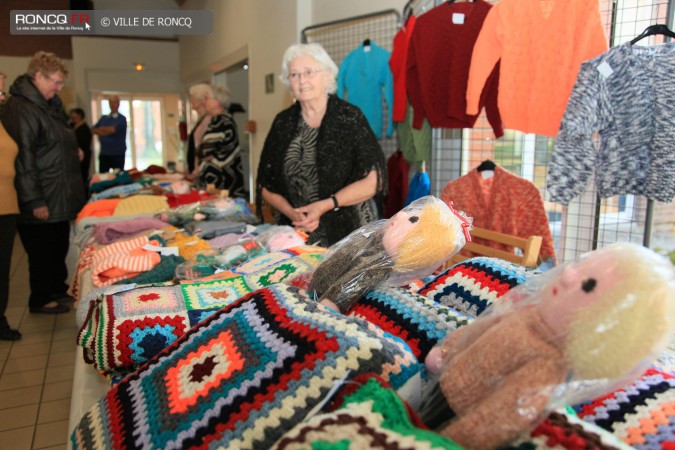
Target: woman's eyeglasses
(57, 83)
(307, 73)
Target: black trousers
(7, 233)
(47, 246)
(107, 162)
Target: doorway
(152, 137)
(235, 78)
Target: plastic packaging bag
(278, 238)
(412, 244)
(567, 336)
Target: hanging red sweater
(399, 55)
(540, 46)
(439, 57)
(513, 206)
(397, 171)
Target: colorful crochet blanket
(419, 321)
(372, 417)
(130, 327)
(642, 413)
(243, 377)
(472, 285)
(562, 430)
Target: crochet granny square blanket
(471, 286)
(243, 377)
(128, 328)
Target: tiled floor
(36, 372)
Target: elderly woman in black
(321, 167)
(48, 180)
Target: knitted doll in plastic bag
(567, 336)
(411, 244)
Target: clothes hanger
(407, 11)
(486, 165)
(366, 42)
(653, 30)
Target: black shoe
(62, 298)
(58, 309)
(9, 334)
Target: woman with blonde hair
(48, 180)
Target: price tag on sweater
(164, 251)
(458, 18)
(605, 69)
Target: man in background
(112, 132)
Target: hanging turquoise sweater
(366, 77)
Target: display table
(88, 387)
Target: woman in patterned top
(321, 167)
(219, 152)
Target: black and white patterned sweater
(627, 95)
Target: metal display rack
(588, 222)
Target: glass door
(145, 145)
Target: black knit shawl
(347, 150)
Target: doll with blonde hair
(412, 244)
(565, 337)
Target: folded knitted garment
(163, 271)
(275, 266)
(106, 233)
(99, 208)
(642, 413)
(102, 181)
(188, 246)
(122, 260)
(132, 326)
(141, 204)
(242, 378)
(210, 229)
(472, 285)
(118, 191)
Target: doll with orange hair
(412, 244)
(567, 336)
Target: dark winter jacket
(47, 166)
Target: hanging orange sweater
(512, 205)
(541, 44)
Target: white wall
(330, 10)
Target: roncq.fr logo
(53, 19)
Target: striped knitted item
(371, 417)
(419, 321)
(83, 263)
(242, 378)
(130, 327)
(642, 413)
(472, 285)
(122, 260)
